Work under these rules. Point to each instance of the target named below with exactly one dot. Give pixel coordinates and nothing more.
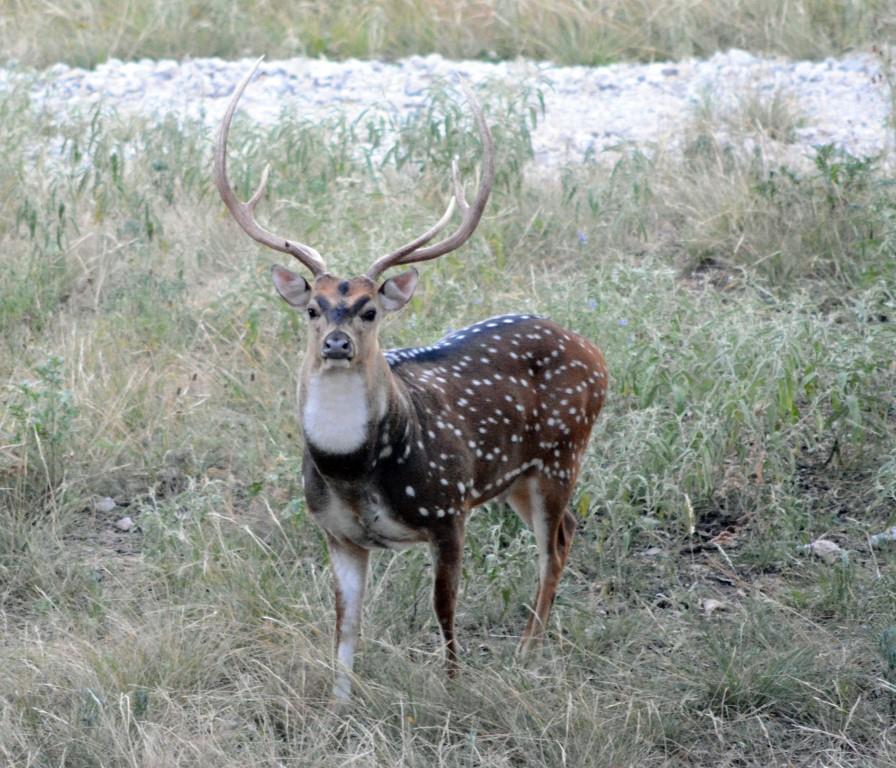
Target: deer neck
(350, 411)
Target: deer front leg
(447, 552)
(349, 564)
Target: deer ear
(397, 291)
(293, 288)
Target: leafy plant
(43, 412)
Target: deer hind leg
(447, 552)
(541, 503)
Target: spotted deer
(401, 445)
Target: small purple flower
(591, 304)
(582, 236)
(623, 322)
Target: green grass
(746, 310)
(84, 32)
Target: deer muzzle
(337, 346)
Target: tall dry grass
(746, 311)
(84, 32)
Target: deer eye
(312, 313)
(369, 315)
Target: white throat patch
(335, 414)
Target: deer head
(344, 314)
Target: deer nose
(337, 346)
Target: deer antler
(471, 214)
(244, 213)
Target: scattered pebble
(828, 551)
(105, 505)
(588, 109)
(710, 606)
(124, 524)
(887, 536)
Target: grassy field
(747, 314)
(83, 32)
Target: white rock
(887, 536)
(125, 524)
(710, 606)
(829, 551)
(104, 505)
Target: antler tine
(471, 214)
(244, 213)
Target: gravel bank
(587, 109)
